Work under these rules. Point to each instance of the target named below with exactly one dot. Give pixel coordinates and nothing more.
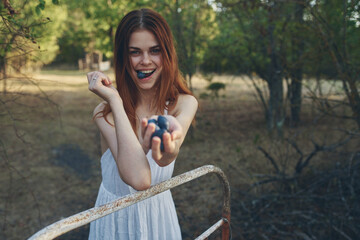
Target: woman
(149, 84)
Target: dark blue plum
(141, 75)
(152, 121)
(163, 122)
(159, 133)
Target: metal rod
(65, 225)
(210, 230)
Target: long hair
(169, 85)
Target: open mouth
(145, 74)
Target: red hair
(171, 82)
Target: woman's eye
(134, 52)
(155, 51)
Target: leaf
(38, 10)
(56, 2)
(42, 6)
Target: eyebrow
(156, 46)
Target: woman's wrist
(116, 99)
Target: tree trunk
(352, 94)
(297, 72)
(190, 82)
(295, 98)
(3, 71)
(275, 114)
(111, 34)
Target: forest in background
(272, 40)
(300, 58)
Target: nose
(146, 59)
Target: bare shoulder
(186, 103)
(98, 117)
(188, 99)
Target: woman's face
(145, 57)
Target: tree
(286, 39)
(193, 25)
(338, 28)
(261, 23)
(23, 29)
(14, 32)
(295, 62)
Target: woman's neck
(145, 104)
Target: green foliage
(50, 32)
(215, 87)
(25, 29)
(243, 42)
(75, 38)
(91, 26)
(286, 40)
(193, 25)
(235, 38)
(226, 52)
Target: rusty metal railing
(65, 225)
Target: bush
(216, 87)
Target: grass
(39, 129)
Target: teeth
(148, 71)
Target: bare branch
(14, 120)
(267, 155)
(341, 232)
(8, 6)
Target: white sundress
(154, 218)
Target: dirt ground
(50, 154)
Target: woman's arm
(130, 158)
(184, 113)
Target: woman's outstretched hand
(170, 140)
(101, 85)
